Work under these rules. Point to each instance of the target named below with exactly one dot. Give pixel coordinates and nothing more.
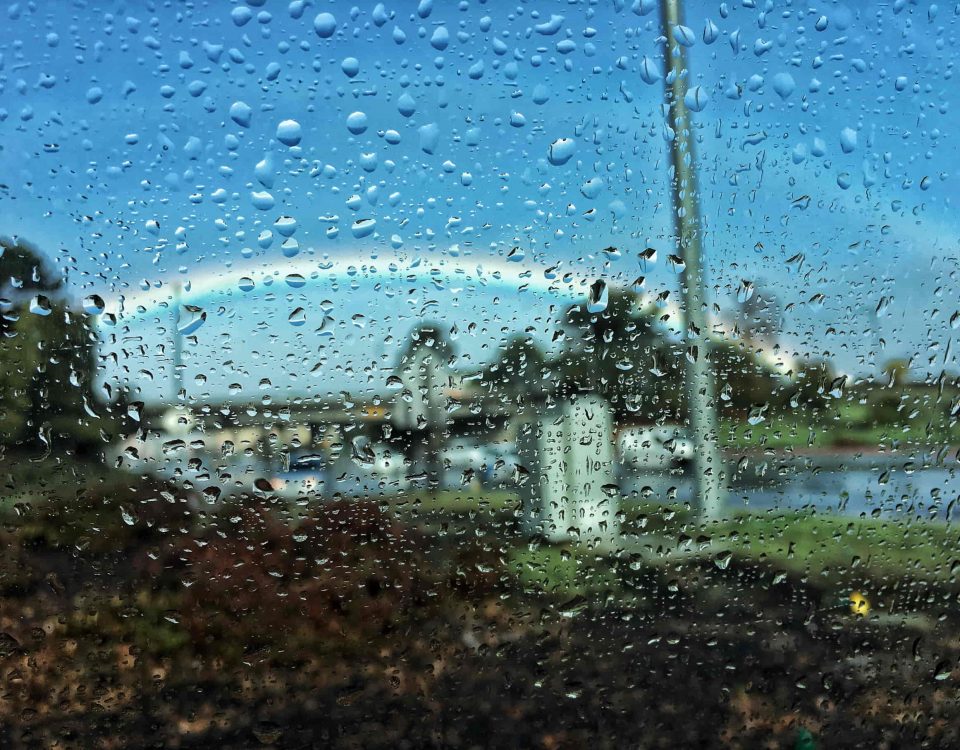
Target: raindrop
(357, 122)
(848, 140)
(440, 38)
(710, 32)
(192, 322)
(942, 671)
(406, 105)
(40, 305)
(93, 304)
(783, 84)
(722, 561)
(262, 200)
(298, 317)
(591, 188)
(696, 98)
(289, 133)
(241, 114)
(285, 226)
(363, 228)
(684, 36)
(561, 150)
(429, 137)
(649, 70)
(325, 25)
(599, 297)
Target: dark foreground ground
(129, 618)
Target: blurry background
(343, 375)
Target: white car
(306, 475)
(462, 460)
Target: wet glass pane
(473, 374)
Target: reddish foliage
(347, 570)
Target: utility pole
(701, 402)
(435, 423)
(176, 378)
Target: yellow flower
(859, 604)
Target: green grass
(53, 478)
(801, 543)
(560, 571)
(808, 543)
(838, 425)
(835, 546)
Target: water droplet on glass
(591, 188)
(406, 105)
(93, 304)
(350, 67)
(696, 98)
(783, 84)
(298, 317)
(649, 70)
(262, 200)
(710, 32)
(289, 133)
(363, 228)
(325, 25)
(684, 36)
(357, 122)
(241, 113)
(40, 305)
(848, 140)
(561, 150)
(285, 226)
(599, 297)
(429, 137)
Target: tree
(897, 371)
(25, 266)
(424, 370)
(812, 384)
(760, 313)
(519, 370)
(623, 353)
(743, 380)
(46, 358)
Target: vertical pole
(176, 378)
(701, 404)
(434, 425)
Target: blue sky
(141, 144)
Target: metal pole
(701, 404)
(177, 375)
(434, 425)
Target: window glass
(478, 374)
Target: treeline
(47, 361)
(629, 355)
